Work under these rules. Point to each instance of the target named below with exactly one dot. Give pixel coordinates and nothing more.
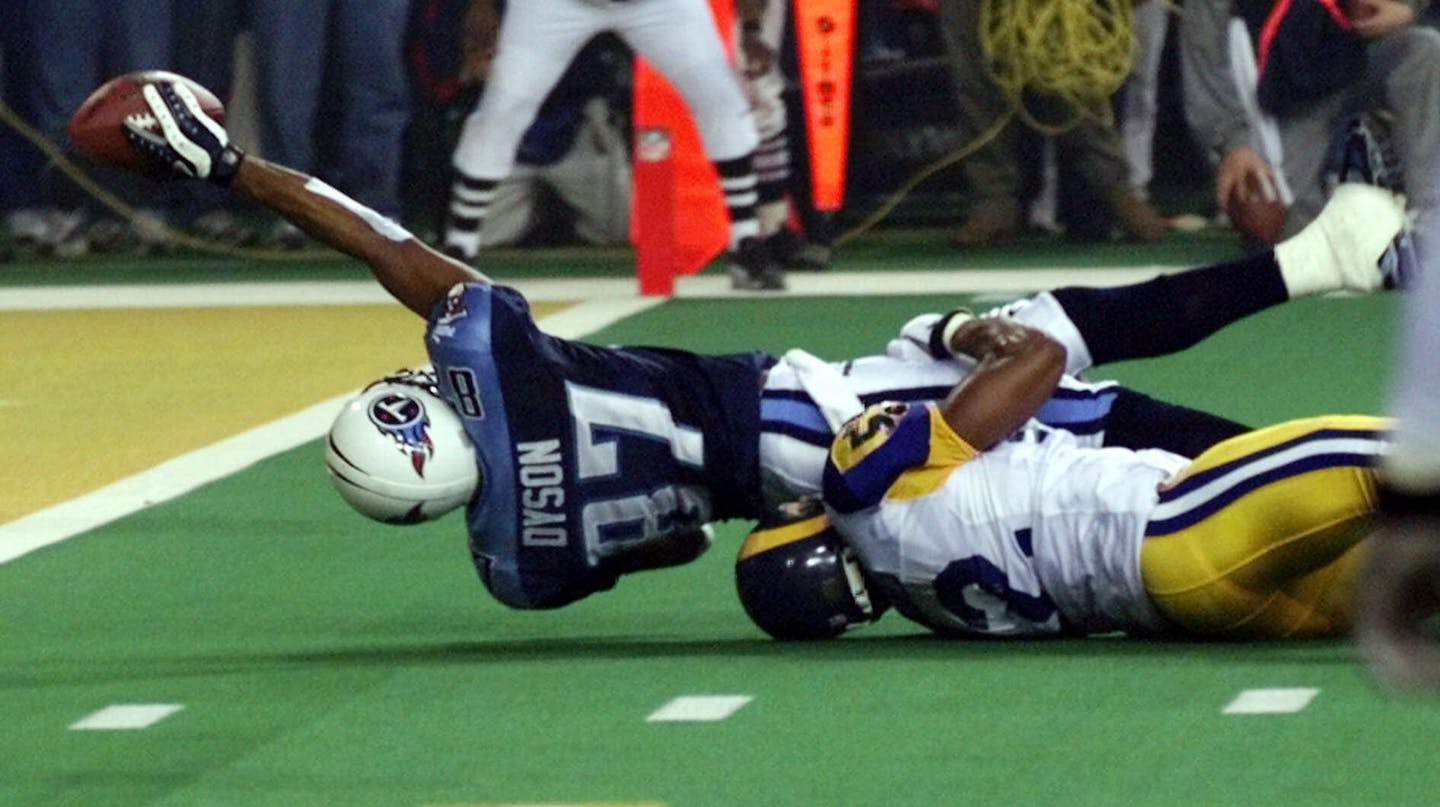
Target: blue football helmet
(799, 580)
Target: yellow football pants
(1259, 537)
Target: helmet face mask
(397, 453)
(801, 581)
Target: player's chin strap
(855, 578)
(825, 386)
(189, 143)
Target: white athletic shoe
(753, 268)
(1361, 221)
(1399, 263)
(1343, 246)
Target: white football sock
(466, 242)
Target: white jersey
(804, 400)
(1035, 536)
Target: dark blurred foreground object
(1399, 595)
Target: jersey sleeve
(891, 450)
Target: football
(97, 127)
(1256, 214)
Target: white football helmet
(399, 454)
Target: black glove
(189, 142)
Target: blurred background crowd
(370, 95)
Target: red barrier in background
(678, 222)
(825, 34)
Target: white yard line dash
(698, 708)
(126, 717)
(1272, 701)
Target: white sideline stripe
(126, 717)
(698, 708)
(190, 295)
(366, 292)
(230, 295)
(189, 471)
(1278, 701)
(958, 281)
(590, 316)
(165, 481)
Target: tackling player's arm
(1016, 370)
(190, 144)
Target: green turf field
(321, 659)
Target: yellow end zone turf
(95, 396)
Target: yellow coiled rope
(1073, 53)
(1076, 51)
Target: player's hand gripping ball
(1255, 211)
(97, 129)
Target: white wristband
(957, 319)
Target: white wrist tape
(957, 319)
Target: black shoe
(1365, 152)
(107, 236)
(145, 235)
(223, 227)
(1398, 591)
(792, 251)
(286, 236)
(752, 268)
(457, 254)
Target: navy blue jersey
(586, 451)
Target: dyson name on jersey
(542, 493)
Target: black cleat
(1364, 152)
(456, 253)
(792, 251)
(753, 268)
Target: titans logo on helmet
(403, 419)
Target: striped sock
(772, 171)
(470, 199)
(738, 183)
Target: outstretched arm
(189, 144)
(412, 272)
(1016, 370)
